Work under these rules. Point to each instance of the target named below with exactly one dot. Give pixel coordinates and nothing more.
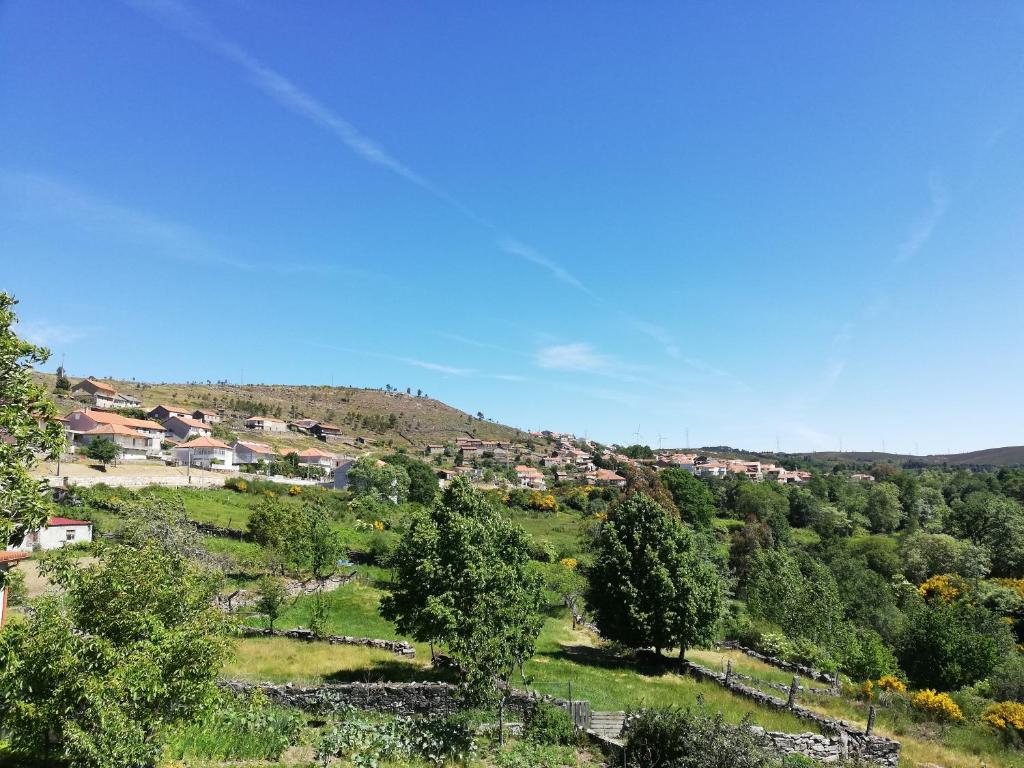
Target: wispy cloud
(47, 334)
(657, 332)
(578, 356)
(923, 228)
(514, 247)
(438, 367)
(186, 21)
(40, 195)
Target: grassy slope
(421, 420)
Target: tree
(994, 522)
(323, 543)
(102, 450)
(694, 501)
(369, 474)
(271, 595)
(462, 579)
(884, 508)
(949, 644)
(28, 420)
(766, 502)
(62, 385)
(96, 675)
(653, 583)
(422, 480)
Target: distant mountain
(1009, 456)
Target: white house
(207, 417)
(7, 561)
(314, 457)
(529, 477)
(102, 395)
(80, 422)
(345, 463)
(184, 427)
(266, 424)
(253, 453)
(58, 532)
(132, 445)
(205, 452)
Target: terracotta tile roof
(204, 442)
(104, 417)
(607, 474)
(314, 453)
(98, 385)
(114, 429)
(12, 556)
(257, 447)
(56, 522)
(265, 418)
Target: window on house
(70, 534)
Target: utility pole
(687, 438)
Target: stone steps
(607, 724)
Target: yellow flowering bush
(294, 490)
(938, 706)
(543, 502)
(891, 683)
(867, 690)
(601, 516)
(569, 562)
(944, 586)
(1005, 716)
(1015, 584)
(378, 525)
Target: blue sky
(793, 222)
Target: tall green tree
(97, 673)
(694, 501)
(652, 584)
(423, 486)
(462, 578)
(370, 475)
(884, 508)
(28, 421)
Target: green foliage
(691, 738)
(549, 724)
(369, 742)
(461, 579)
(947, 645)
(529, 754)
(270, 597)
(931, 554)
(96, 674)
(246, 728)
(767, 503)
(422, 480)
(28, 419)
(370, 475)
(638, 452)
(1006, 683)
(16, 592)
(884, 509)
(654, 583)
(995, 523)
(102, 450)
(694, 501)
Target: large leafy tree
(369, 475)
(462, 579)
(947, 644)
(884, 509)
(102, 450)
(422, 480)
(653, 583)
(28, 426)
(694, 501)
(96, 675)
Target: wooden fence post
(871, 720)
(728, 671)
(792, 692)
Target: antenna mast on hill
(636, 435)
(661, 441)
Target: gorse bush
(1007, 717)
(691, 738)
(937, 706)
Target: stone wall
(808, 672)
(398, 647)
(406, 699)
(841, 739)
(242, 598)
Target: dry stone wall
(398, 647)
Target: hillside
(1008, 456)
(378, 416)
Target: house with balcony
(205, 453)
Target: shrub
(1007, 717)
(676, 738)
(892, 684)
(937, 706)
(237, 729)
(549, 724)
(1006, 682)
(367, 742)
(796, 760)
(527, 754)
(236, 484)
(775, 644)
(294, 491)
(16, 592)
(945, 587)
